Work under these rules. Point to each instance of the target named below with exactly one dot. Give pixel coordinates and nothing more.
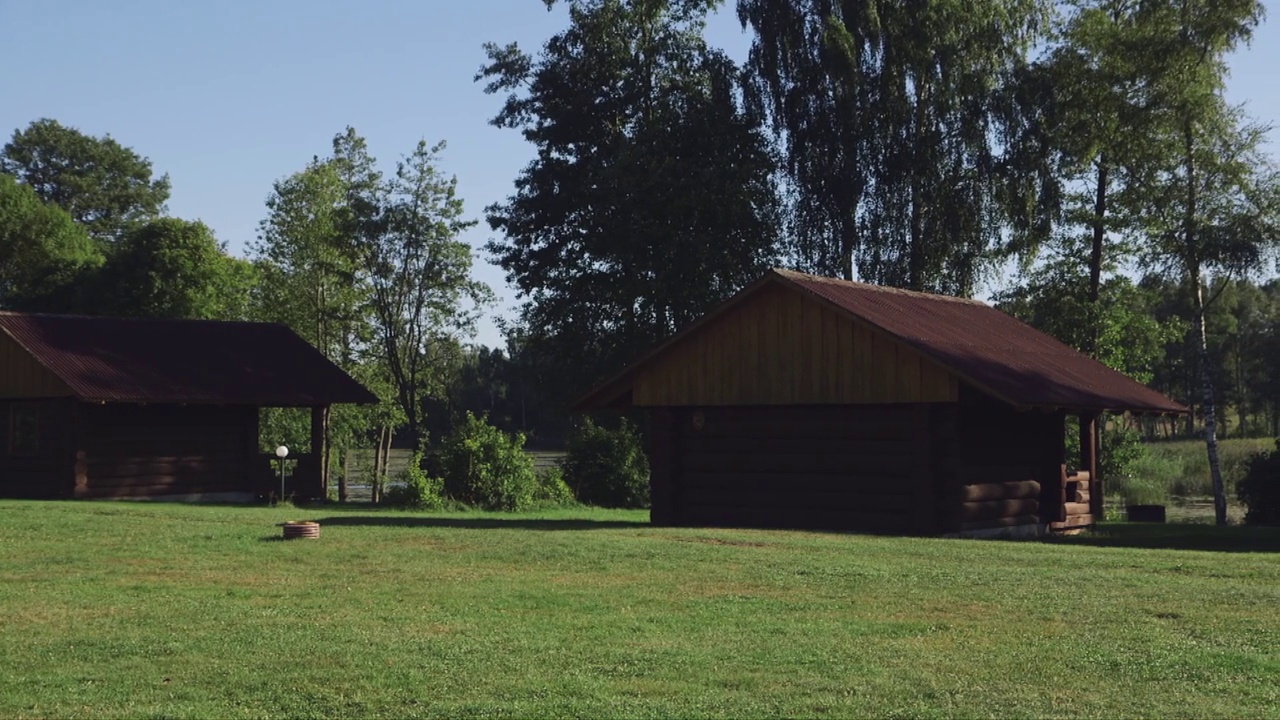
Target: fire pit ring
(301, 529)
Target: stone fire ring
(301, 529)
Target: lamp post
(282, 452)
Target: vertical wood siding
(22, 377)
(781, 348)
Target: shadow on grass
(484, 523)
(1178, 536)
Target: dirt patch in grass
(719, 541)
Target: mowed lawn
(150, 610)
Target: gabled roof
(992, 351)
(182, 361)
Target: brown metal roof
(995, 352)
(183, 361)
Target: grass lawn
(141, 610)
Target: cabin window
(24, 429)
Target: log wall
(1006, 466)
(40, 463)
(864, 468)
(153, 450)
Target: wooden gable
(779, 347)
(21, 376)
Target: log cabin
(810, 402)
(94, 407)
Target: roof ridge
(117, 318)
(886, 289)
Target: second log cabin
(94, 407)
(806, 401)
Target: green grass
(141, 610)
(1177, 473)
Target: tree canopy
(891, 115)
(105, 186)
(41, 246)
(652, 196)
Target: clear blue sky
(228, 96)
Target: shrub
(487, 468)
(608, 467)
(552, 489)
(415, 488)
(1126, 466)
(1259, 489)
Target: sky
(229, 96)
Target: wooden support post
(1053, 502)
(1089, 461)
(662, 462)
(311, 485)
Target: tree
(652, 195)
(370, 271)
(311, 281)
(891, 115)
(103, 185)
(171, 268)
(420, 276)
(1125, 332)
(1095, 141)
(309, 266)
(1215, 206)
(42, 250)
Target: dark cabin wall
(36, 450)
(152, 450)
(1007, 464)
(865, 468)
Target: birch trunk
(1210, 419)
(346, 473)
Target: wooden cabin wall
(865, 468)
(22, 377)
(36, 452)
(781, 348)
(152, 450)
(1006, 462)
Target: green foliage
(1180, 469)
(371, 272)
(892, 115)
(290, 427)
(606, 467)
(41, 248)
(1259, 489)
(171, 268)
(552, 490)
(1120, 455)
(652, 196)
(415, 488)
(105, 187)
(419, 273)
(487, 468)
(1121, 325)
